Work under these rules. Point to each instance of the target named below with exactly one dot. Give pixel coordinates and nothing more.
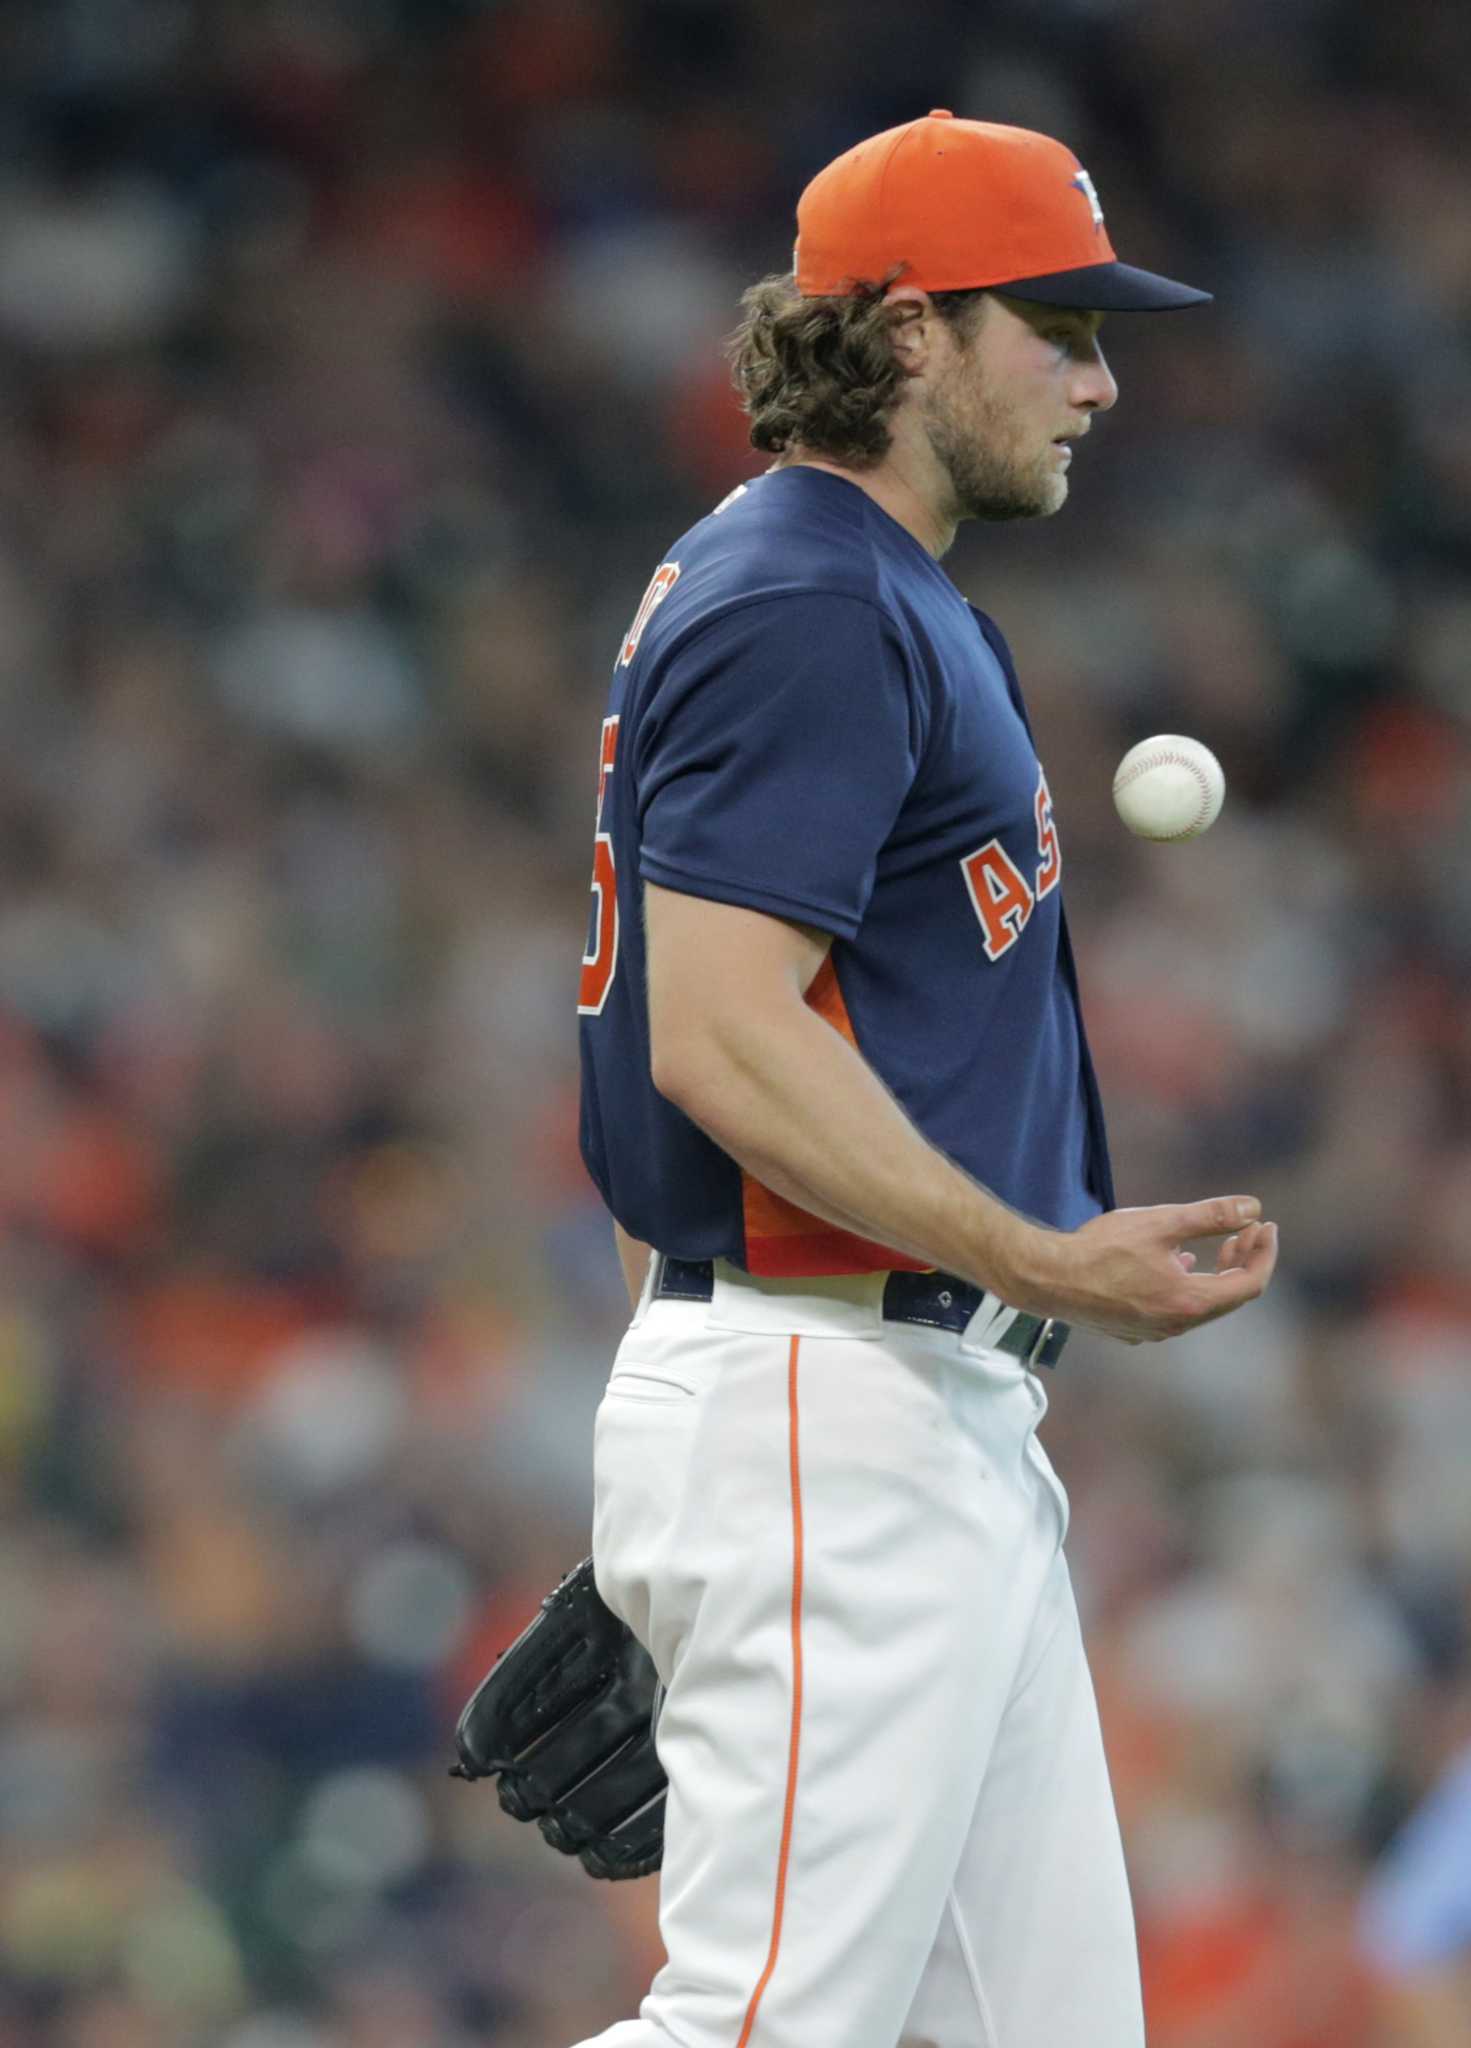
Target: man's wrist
(1022, 1261)
(1039, 1282)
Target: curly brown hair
(821, 373)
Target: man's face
(1000, 408)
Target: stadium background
(357, 362)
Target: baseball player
(837, 1095)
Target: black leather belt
(936, 1299)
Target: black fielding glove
(564, 1719)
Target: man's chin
(1048, 497)
(1056, 489)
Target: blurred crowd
(358, 360)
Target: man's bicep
(709, 961)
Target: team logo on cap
(1090, 192)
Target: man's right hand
(1127, 1272)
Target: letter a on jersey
(998, 890)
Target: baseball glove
(564, 1719)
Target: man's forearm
(737, 1046)
(792, 1102)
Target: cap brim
(1106, 288)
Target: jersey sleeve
(776, 749)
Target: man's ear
(913, 320)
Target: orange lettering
(1002, 900)
(601, 963)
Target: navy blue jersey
(808, 719)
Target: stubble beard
(979, 444)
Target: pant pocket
(639, 1382)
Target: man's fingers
(1214, 1218)
(1143, 1240)
(1238, 1248)
(1231, 1286)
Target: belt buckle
(1040, 1342)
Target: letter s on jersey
(600, 961)
(1000, 894)
(1048, 850)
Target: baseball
(1169, 787)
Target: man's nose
(1095, 387)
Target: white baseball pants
(889, 1820)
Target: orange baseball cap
(955, 205)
